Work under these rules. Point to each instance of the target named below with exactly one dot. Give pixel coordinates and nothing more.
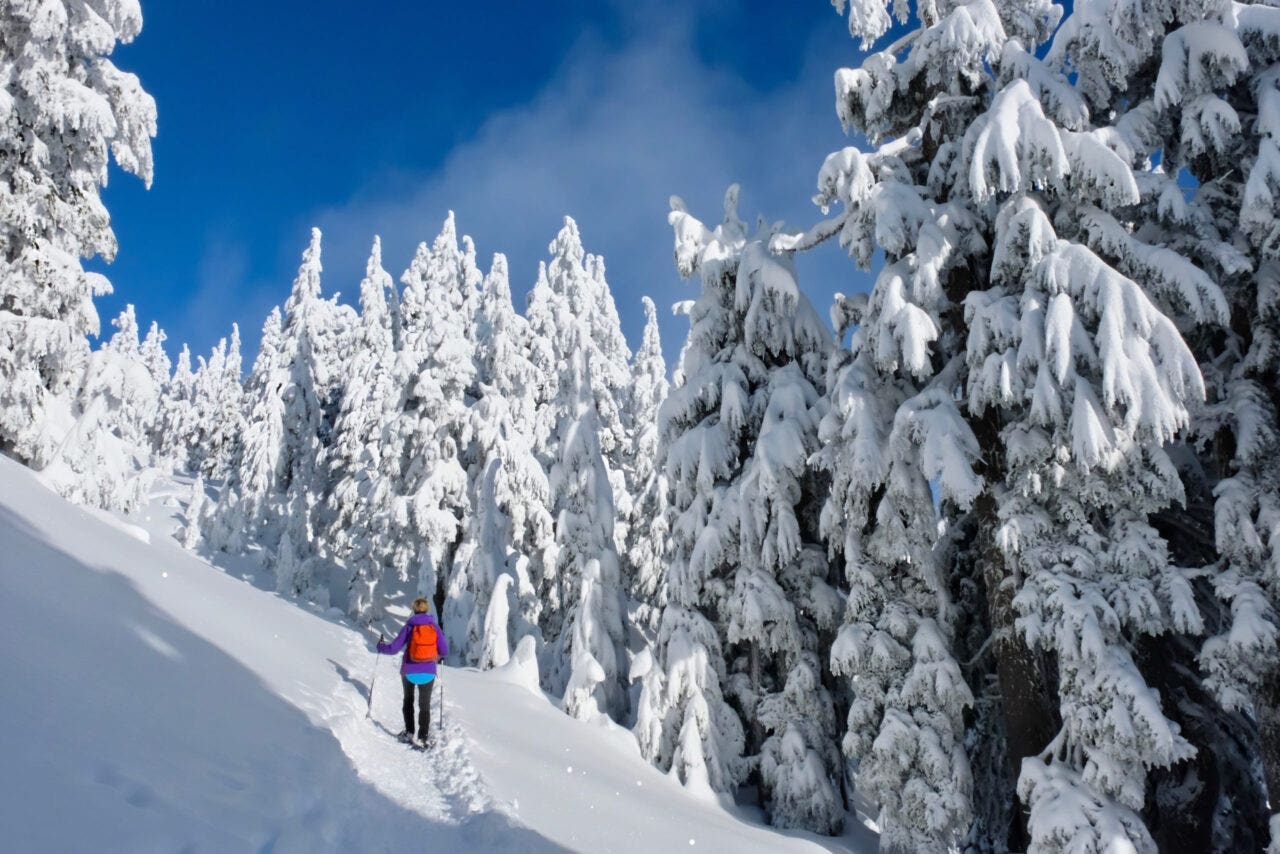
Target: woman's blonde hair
(421, 606)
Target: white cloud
(212, 308)
(607, 141)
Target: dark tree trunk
(1027, 706)
(1030, 718)
(1211, 801)
(1267, 706)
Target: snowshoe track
(441, 783)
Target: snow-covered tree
(65, 105)
(572, 291)
(571, 308)
(508, 538)
(248, 502)
(154, 355)
(503, 348)
(177, 422)
(158, 365)
(219, 408)
(436, 369)
(611, 371)
(192, 517)
(544, 315)
(361, 500)
(646, 531)
(587, 646)
(106, 458)
(307, 377)
(277, 476)
(133, 414)
(1213, 200)
(1017, 358)
(736, 673)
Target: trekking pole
(374, 678)
(438, 671)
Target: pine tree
(66, 105)
(249, 502)
(542, 316)
(361, 498)
(1214, 109)
(206, 385)
(154, 356)
(509, 532)
(437, 370)
(647, 531)
(230, 406)
(136, 393)
(307, 376)
(587, 655)
(105, 460)
(219, 408)
(193, 515)
(158, 365)
(569, 308)
(503, 348)
(177, 419)
(1015, 358)
(736, 673)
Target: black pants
(424, 706)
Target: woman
(423, 643)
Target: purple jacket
(401, 640)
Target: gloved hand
(382, 638)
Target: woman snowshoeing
(423, 643)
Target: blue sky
(275, 116)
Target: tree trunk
(1030, 719)
(1267, 707)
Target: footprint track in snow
(442, 784)
(135, 793)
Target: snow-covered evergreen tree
(1215, 114)
(177, 421)
(133, 414)
(544, 315)
(361, 500)
(736, 672)
(1016, 358)
(587, 654)
(158, 365)
(503, 348)
(277, 475)
(572, 290)
(307, 376)
(154, 355)
(508, 538)
(571, 308)
(646, 530)
(192, 517)
(248, 504)
(219, 408)
(437, 369)
(106, 458)
(66, 108)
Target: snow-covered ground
(156, 703)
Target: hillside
(157, 703)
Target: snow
(179, 707)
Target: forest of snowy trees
(997, 547)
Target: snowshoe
(423, 744)
(405, 737)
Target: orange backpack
(422, 643)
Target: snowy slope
(155, 703)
